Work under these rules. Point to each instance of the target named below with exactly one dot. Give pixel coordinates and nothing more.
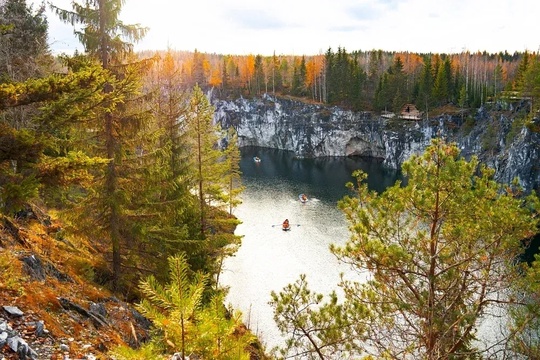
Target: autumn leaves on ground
(60, 267)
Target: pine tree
(169, 226)
(203, 146)
(425, 96)
(437, 249)
(313, 328)
(258, 75)
(233, 173)
(174, 308)
(437, 253)
(187, 325)
(442, 88)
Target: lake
(270, 258)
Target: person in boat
(304, 197)
(286, 224)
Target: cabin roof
(410, 112)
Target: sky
(311, 27)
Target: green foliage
(174, 308)
(23, 40)
(442, 88)
(392, 92)
(517, 125)
(530, 85)
(490, 138)
(20, 154)
(233, 173)
(208, 161)
(102, 34)
(423, 243)
(148, 351)
(344, 78)
(184, 324)
(313, 329)
(424, 98)
(433, 252)
(221, 332)
(299, 79)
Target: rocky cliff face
(317, 131)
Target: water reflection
(270, 258)
(326, 176)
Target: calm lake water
(271, 258)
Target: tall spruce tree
(24, 52)
(106, 38)
(212, 173)
(40, 155)
(424, 99)
(172, 227)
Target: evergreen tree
(313, 328)
(425, 244)
(24, 52)
(442, 88)
(438, 252)
(521, 70)
(199, 70)
(169, 208)
(213, 170)
(330, 89)
(425, 95)
(203, 146)
(41, 157)
(187, 325)
(524, 323)
(530, 85)
(106, 38)
(382, 100)
(277, 82)
(233, 173)
(299, 78)
(174, 308)
(397, 90)
(258, 81)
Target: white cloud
(312, 26)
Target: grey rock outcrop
(11, 339)
(311, 130)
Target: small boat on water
(286, 226)
(303, 198)
(257, 159)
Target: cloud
(254, 19)
(362, 12)
(307, 26)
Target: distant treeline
(367, 80)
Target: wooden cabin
(410, 112)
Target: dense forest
(122, 147)
(368, 80)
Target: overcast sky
(309, 27)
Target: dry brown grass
(72, 256)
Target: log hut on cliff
(410, 112)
